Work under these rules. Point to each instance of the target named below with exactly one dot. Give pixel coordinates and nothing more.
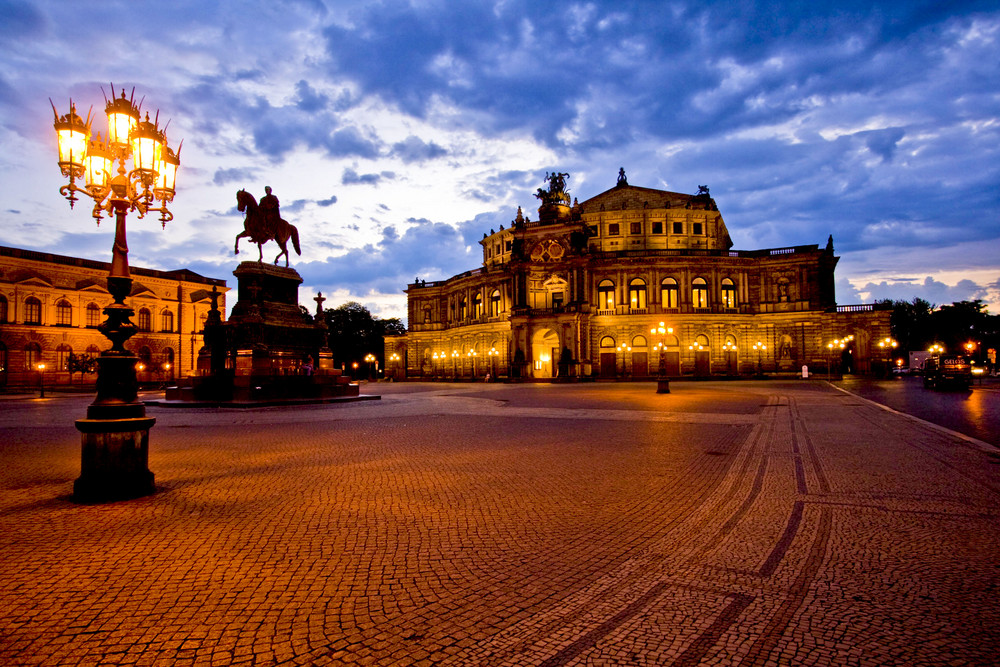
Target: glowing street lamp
(760, 348)
(454, 364)
(41, 379)
(493, 353)
(394, 360)
(662, 331)
(116, 431)
(936, 349)
(472, 355)
(370, 358)
(623, 348)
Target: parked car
(947, 370)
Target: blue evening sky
(395, 133)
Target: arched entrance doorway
(544, 353)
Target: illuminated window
(637, 293)
(668, 293)
(699, 293)
(477, 306)
(728, 293)
(606, 295)
(463, 309)
(495, 303)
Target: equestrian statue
(262, 223)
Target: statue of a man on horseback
(262, 223)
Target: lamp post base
(663, 386)
(114, 463)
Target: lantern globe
(73, 135)
(147, 147)
(99, 164)
(166, 171)
(123, 117)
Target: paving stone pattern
(764, 524)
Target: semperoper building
(51, 306)
(578, 292)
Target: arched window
(495, 303)
(607, 342)
(167, 365)
(463, 309)
(64, 313)
(145, 322)
(62, 357)
(32, 311)
(477, 306)
(699, 293)
(145, 359)
(639, 341)
(701, 339)
(3, 309)
(637, 293)
(728, 293)
(606, 295)
(93, 350)
(167, 321)
(668, 293)
(93, 315)
(32, 355)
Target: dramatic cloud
(878, 124)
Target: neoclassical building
(51, 305)
(582, 292)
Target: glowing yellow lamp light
(73, 135)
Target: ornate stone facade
(51, 305)
(577, 293)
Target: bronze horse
(257, 229)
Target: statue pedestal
(268, 350)
(114, 464)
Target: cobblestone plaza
(726, 523)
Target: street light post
(492, 354)
(394, 359)
(623, 348)
(454, 365)
(760, 347)
(41, 379)
(370, 358)
(662, 382)
(115, 434)
(887, 345)
(472, 355)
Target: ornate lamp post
(116, 430)
(886, 346)
(760, 348)
(454, 363)
(370, 358)
(394, 360)
(41, 379)
(492, 353)
(472, 355)
(623, 348)
(836, 344)
(662, 331)
(436, 356)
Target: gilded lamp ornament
(92, 159)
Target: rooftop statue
(262, 223)
(622, 180)
(556, 194)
